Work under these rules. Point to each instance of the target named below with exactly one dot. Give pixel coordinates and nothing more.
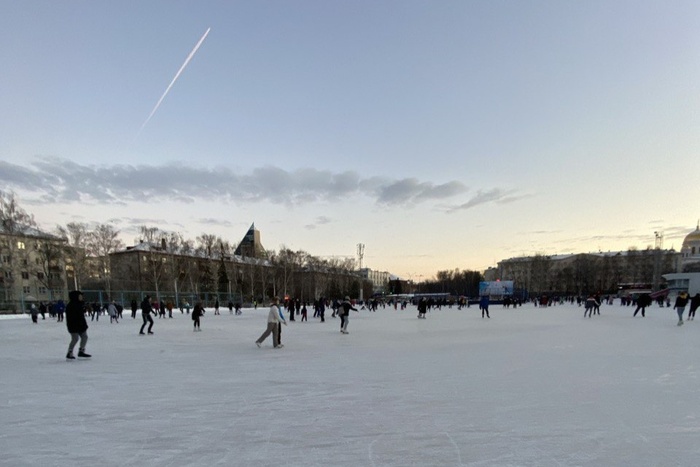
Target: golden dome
(692, 237)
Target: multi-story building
(32, 268)
(379, 279)
(588, 272)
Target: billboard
(496, 288)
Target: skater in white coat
(273, 320)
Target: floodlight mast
(360, 255)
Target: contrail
(177, 75)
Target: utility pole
(658, 245)
(360, 255)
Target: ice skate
(82, 353)
(70, 356)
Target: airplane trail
(177, 75)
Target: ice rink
(527, 387)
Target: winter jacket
(345, 308)
(75, 314)
(681, 301)
(146, 307)
(273, 316)
(695, 302)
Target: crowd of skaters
(77, 311)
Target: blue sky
(442, 135)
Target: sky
(524, 388)
(441, 135)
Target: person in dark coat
(197, 314)
(146, 310)
(694, 304)
(681, 302)
(422, 307)
(484, 306)
(134, 307)
(344, 312)
(76, 324)
(34, 311)
(643, 301)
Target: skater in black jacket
(146, 314)
(694, 304)
(76, 324)
(196, 315)
(681, 302)
(643, 301)
(344, 312)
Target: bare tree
(155, 257)
(102, 241)
(51, 257)
(76, 236)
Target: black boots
(70, 356)
(82, 353)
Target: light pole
(360, 255)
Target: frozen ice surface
(527, 387)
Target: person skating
(681, 302)
(344, 313)
(273, 319)
(34, 311)
(196, 315)
(76, 324)
(643, 301)
(694, 304)
(589, 306)
(484, 306)
(146, 310)
(134, 307)
(422, 308)
(60, 310)
(113, 313)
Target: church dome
(692, 238)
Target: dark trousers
(147, 319)
(639, 308)
(196, 323)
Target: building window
(25, 289)
(20, 245)
(42, 290)
(8, 274)
(5, 258)
(25, 275)
(40, 275)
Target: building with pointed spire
(250, 246)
